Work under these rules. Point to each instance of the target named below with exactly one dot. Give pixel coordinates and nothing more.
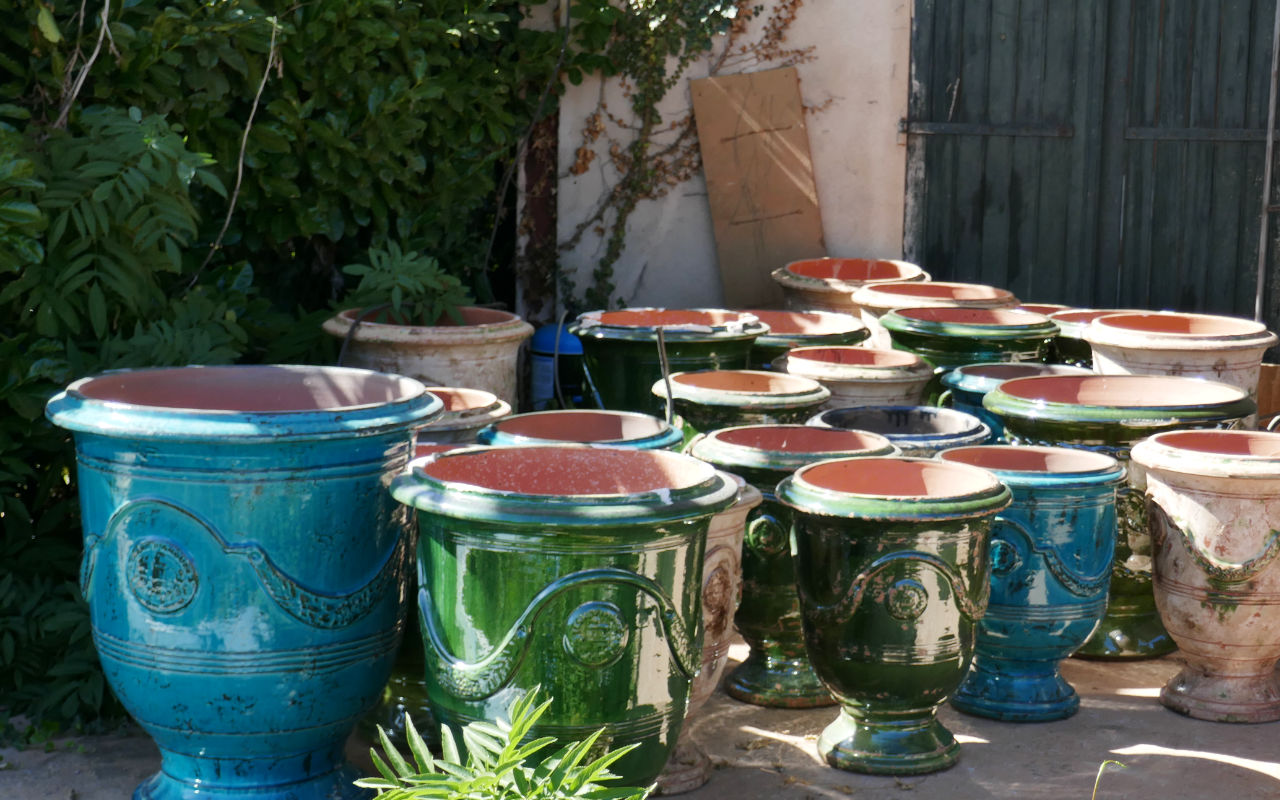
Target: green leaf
(19, 212)
(48, 27)
(97, 310)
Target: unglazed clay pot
(572, 567)
(611, 428)
(952, 337)
(620, 349)
(892, 571)
(1051, 554)
(828, 284)
(790, 329)
(921, 431)
(967, 385)
(466, 411)
(1109, 414)
(873, 302)
(1213, 501)
(727, 398)
(1069, 346)
(244, 567)
(858, 376)
(776, 672)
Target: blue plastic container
(244, 564)
(918, 431)
(551, 361)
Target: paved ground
(762, 753)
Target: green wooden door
(1095, 153)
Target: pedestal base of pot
(1223, 698)
(911, 746)
(1016, 691)
(777, 683)
(688, 768)
(244, 779)
(1126, 633)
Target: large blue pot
(244, 565)
(1051, 552)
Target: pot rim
(481, 407)
(835, 284)
(970, 427)
(718, 447)
(882, 298)
(606, 324)
(1004, 323)
(1123, 330)
(899, 360)
(1075, 466)
(690, 387)
(1043, 308)
(1023, 398)
(1176, 451)
(783, 325)
(662, 437)
(1073, 321)
(491, 327)
(970, 377)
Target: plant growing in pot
(410, 316)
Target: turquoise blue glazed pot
(244, 567)
(572, 567)
(1109, 414)
(967, 385)
(776, 672)
(1051, 554)
(919, 431)
(790, 329)
(620, 349)
(892, 571)
(612, 428)
(728, 398)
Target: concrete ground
(766, 753)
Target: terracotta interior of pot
(1029, 459)
(995, 317)
(795, 323)
(947, 291)
(251, 389)
(1128, 391)
(420, 450)
(799, 439)
(456, 399)
(583, 426)
(850, 269)
(569, 471)
(1084, 316)
(902, 420)
(891, 477)
(743, 380)
(1187, 324)
(1043, 308)
(1228, 443)
(470, 315)
(854, 356)
(1007, 372)
(658, 317)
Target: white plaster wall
(857, 84)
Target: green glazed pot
(893, 575)
(873, 302)
(776, 672)
(790, 329)
(572, 567)
(952, 337)
(1109, 414)
(585, 426)
(728, 398)
(620, 349)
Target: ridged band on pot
(1215, 524)
(920, 431)
(620, 349)
(466, 411)
(967, 385)
(858, 376)
(828, 284)
(873, 302)
(1051, 554)
(585, 426)
(572, 567)
(481, 353)
(713, 399)
(892, 572)
(949, 337)
(205, 493)
(776, 672)
(1069, 346)
(791, 329)
(1108, 414)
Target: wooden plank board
(764, 200)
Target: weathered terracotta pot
(620, 349)
(1069, 346)
(776, 672)
(920, 431)
(572, 567)
(1213, 502)
(727, 398)
(952, 337)
(790, 329)
(827, 284)
(873, 302)
(1051, 553)
(482, 353)
(858, 376)
(611, 428)
(967, 385)
(466, 411)
(1109, 414)
(892, 571)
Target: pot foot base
(335, 785)
(776, 683)
(1223, 698)
(1129, 637)
(910, 747)
(687, 769)
(1016, 696)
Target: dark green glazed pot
(1109, 414)
(572, 567)
(789, 329)
(893, 575)
(776, 672)
(729, 398)
(967, 385)
(620, 349)
(1069, 346)
(949, 337)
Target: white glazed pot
(466, 412)
(873, 302)
(858, 376)
(827, 284)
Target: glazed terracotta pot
(244, 567)
(466, 411)
(858, 376)
(892, 571)
(953, 337)
(873, 302)
(1109, 415)
(610, 428)
(1213, 501)
(1043, 308)
(571, 567)
(620, 349)
(1051, 553)
(482, 353)
(828, 284)
(776, 672)
(920, 431)
(1069, 346)
(790, 329)
(967, 385)
(727, 398)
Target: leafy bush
(411, 286)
